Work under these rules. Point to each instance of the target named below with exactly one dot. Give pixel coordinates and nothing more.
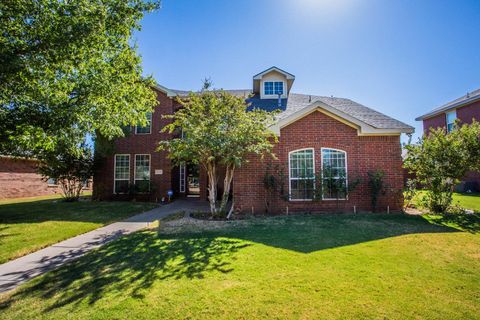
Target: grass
(464, 200)
(467, 201)
(27, 225)
(364, 266)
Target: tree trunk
(227, 182)
(212, 187)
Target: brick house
(464, 109)
(19, 178)
(313, 131)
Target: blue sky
(402, 58)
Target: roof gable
(287, 75)
(364, 128)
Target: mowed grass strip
(27, 225)
(365, 266)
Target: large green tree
(439, 160)
(218, 132)
(69, 66)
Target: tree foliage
(70, 165)
(69, 66)
(440, 160)
(218, 132)
(377, 186)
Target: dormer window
(273, 87)
(271, 83)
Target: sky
(400, 57)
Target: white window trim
(446, 119)
(290, 179)
(135, 167)
(115, 170)
(151, 123)
(183, 175)
(346, 172)
(273, 96)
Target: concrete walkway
(18, 271)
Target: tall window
(451, 117)
(122, 173)
(334, 174)
(302, 174)
(148, 128)
(271, 87)
(142, 172)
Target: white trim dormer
(272, 77)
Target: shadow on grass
(129, 265)
(464, 222)
(132, 264)
(309, 233)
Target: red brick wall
(465, 114)
(317, 130)
(141, 144)
(469, 112)
(19, 178)
(439, 121)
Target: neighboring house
(19, 178)
(313, 132)
(463, 109)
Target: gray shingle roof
(467, 98)
(296, 102)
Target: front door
(193, 180)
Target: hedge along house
(314, 133)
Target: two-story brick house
(313, 132)
(464, 109)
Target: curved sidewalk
(18, 271)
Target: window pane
(147, 128)
(121, 186)
(279, 87)
(268, 87)
(334, 172)
(122, 167)
(302, 174)
(142, 167)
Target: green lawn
(27, 225)
(468, 201)
(365, 266)
(464, 200)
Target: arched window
(334, 174)
(301, 168)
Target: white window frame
(135, 167)
(53, 183)
(115, 171)
(274, 94)
(454, 112)
(183, 175)
(289, 173)
(150, 125)
(346, 172)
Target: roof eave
(363, 128)
(448, 108)
(288, 75)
